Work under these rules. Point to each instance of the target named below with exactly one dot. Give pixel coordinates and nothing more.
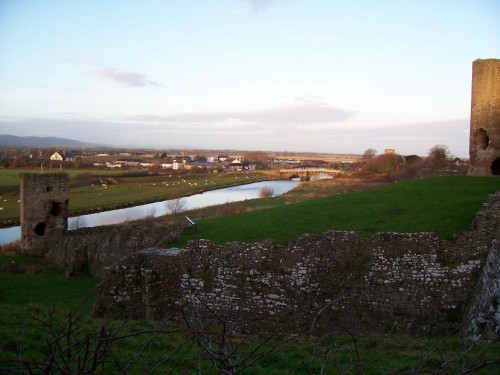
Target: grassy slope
(444, 205)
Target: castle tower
(484, 142)
(44, 211)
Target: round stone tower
(484, 142)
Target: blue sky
(297, 75)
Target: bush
(384, 164)
(12, 248)
(175, 206)
(266, 192)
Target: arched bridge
(305, 174)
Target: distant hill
(12, 140)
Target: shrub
(266, 192)
(12, 248)
(175, 206)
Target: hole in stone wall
(40, 229)
(56, 209)
(49, 188)
(495, 167)
(481, 139)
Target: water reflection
(209, 198)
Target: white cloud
(126, 78)
(257, 6)
(229, 131)
(304, 114)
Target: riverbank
(220, 196)
(442, 205)
(87, 197)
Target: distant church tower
(484, 142)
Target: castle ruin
(484, 143)
(44, 211)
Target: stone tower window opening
(39, 229)
(56, 209)
(481, 139)
(495, 167)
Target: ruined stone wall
(91, 250)
(411, 282)
(44, 211)
(484, 144)
(429, 172)
(482, 318)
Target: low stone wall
(90, 250)
(411, 282)
(429, 172)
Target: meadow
(44, 314)
(444, 205)
(92, 191)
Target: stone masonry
(484, 144)
(44, 211)
(483, 317)
(91, 250)
(412, 282)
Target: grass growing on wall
(444, 205)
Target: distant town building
(389, 151)
(177, 165)
(56, 156)
(113, 165)
(62, 155)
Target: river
(206, 199)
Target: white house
(62, 156)
(177, 165)
(56, 156)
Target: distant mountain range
(12, 140)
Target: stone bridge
(305, 174)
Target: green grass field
(37, 311)
(91, 195)
(10, 177)
(36, 306)
(444, 205)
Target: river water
(209, 198)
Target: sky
(327, 76)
